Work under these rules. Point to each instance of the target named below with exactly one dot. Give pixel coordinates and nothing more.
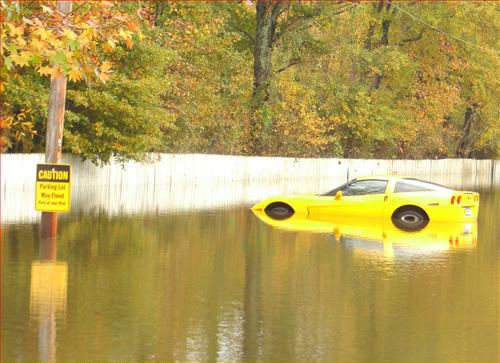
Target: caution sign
(53, 187)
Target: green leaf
(74, 44)
(59, 58)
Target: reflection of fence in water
(192, 181)
(173, 197)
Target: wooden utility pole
(55, 127)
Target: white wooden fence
(176, 182)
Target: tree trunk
(466, 140)
(368, 40)
(158, 12)
(384, 38)
(267, 15)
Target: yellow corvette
(410, 203)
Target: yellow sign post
(53, 187)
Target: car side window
(403, 187)
(364, 187)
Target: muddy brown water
(220, 285)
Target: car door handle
(386, 198)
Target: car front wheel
(279, 210)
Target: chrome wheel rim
(411, 218)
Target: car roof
(399, 177)
(379, 176)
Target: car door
(361, 198)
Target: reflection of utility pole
(48, 291)
(55, 126)
(251, 303)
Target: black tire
(279, 210)
(410, 218)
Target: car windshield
(334, 191)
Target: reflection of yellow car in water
(409, 202)
(372, 232)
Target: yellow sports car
(410, 203)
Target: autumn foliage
(380, 79)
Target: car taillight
(459, 199)
(453, 200)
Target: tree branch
(75, 9)
(247, 34)
(291, 63)
(240, 29)
(295, 20)
(414, 39)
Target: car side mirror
(338, 196)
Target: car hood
(285, 198)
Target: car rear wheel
(410, 218)
(279, 210)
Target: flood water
(221, 285)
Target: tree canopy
(314, 79)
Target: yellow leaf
(69, 34)
(37, 44)
(46, 71)
(125, 34)
(44, 34)
(15, 31)
(86, 36)
(22, 59)
(106, 66)
(103, 77)
(140, 34)
(70, 56)
(111, 42)
(55, 43)
(75, 74)
(109, 45)
(107, 48)
(20, 42)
